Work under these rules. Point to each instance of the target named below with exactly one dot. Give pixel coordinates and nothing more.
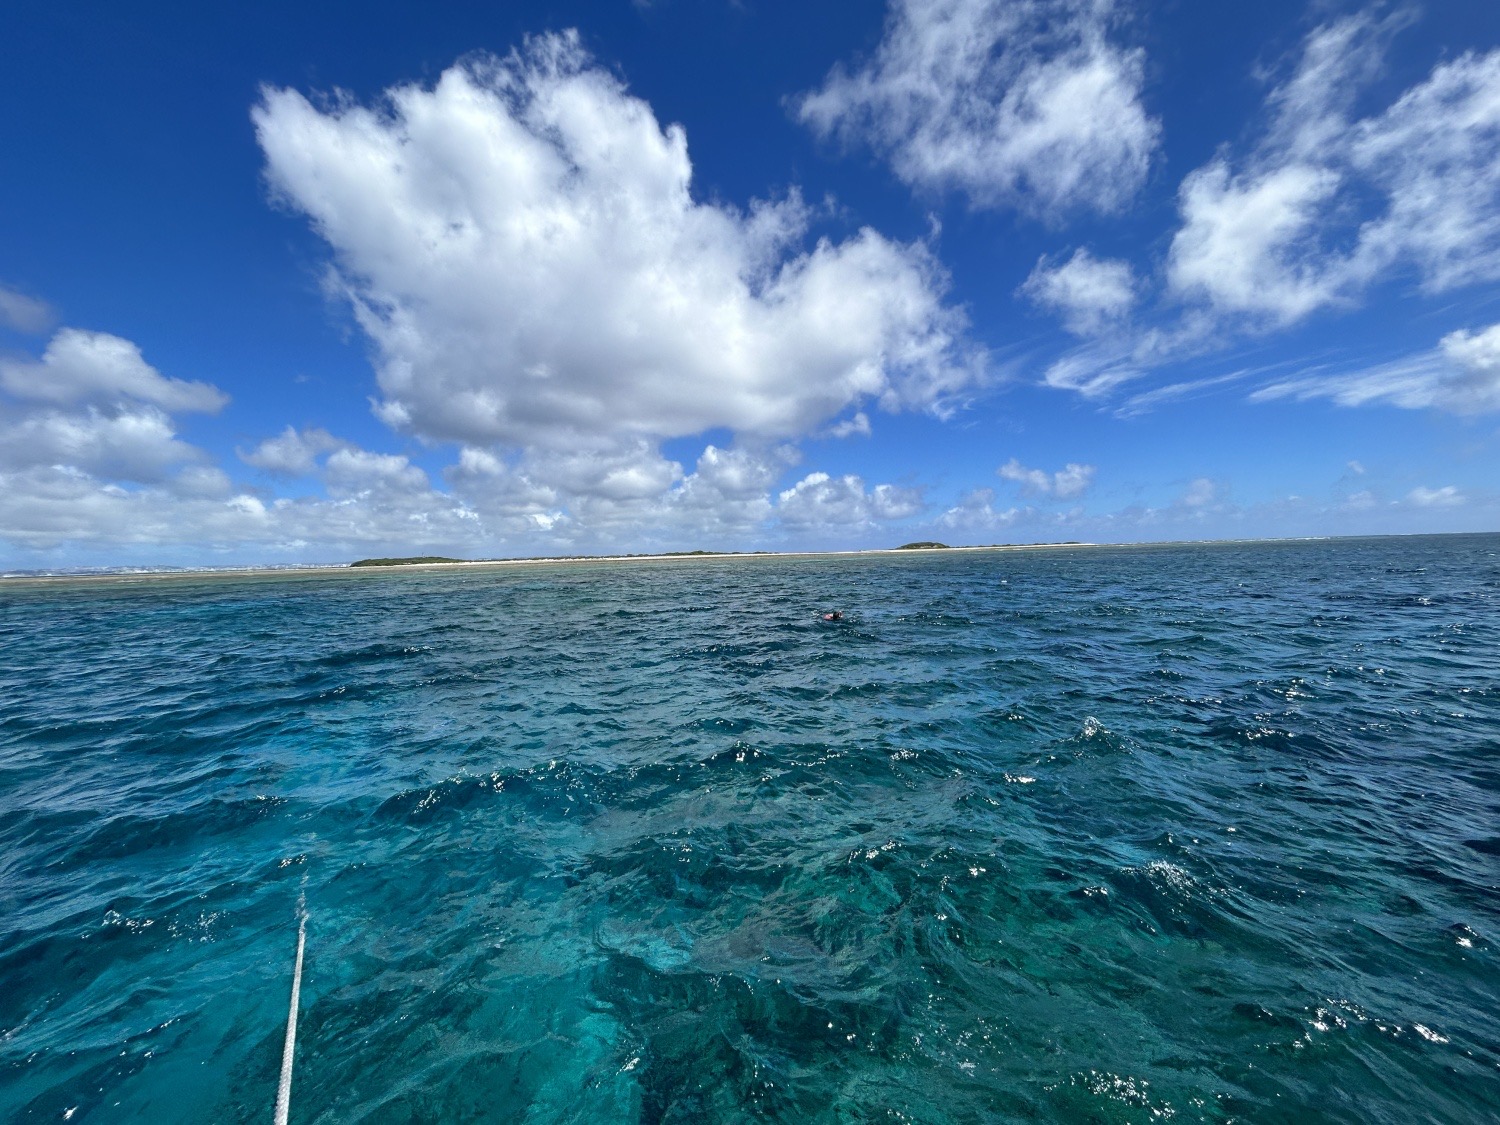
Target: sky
(304, 283)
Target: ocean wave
(1112, 835)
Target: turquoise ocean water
(1202, 833)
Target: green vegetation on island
(924, 545)
(405, 562)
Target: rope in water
(284, 1089)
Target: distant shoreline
(15, 581)
(491, 564)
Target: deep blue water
(1204, 833)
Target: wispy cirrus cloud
(1287, 231)
(1461, 375)
(1320, 207)
(23, 313)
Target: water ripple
(1200, 833)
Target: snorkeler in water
(835, 615)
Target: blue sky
(312, 282)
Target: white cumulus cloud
(134, 445)
(360, 473)
(859, 425)
(1088, 292)
(522, 244)
(88, 464)
(1476, 358)
(92, 407)
(1073, 479)
(1246, 244)
(976, 511)
(1445, 497)
(634, 470)
(822, 501)
(95, 368)
(90, 460)
(293, 452)
(1022, 103)
(725, 501)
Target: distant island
(427, 560)
(412, 561)
(920, 545)
(394, 562)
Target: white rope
(284, 1090)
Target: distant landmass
(405, 562)
(920, 545)
(416, 560)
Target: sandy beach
(15, 581)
